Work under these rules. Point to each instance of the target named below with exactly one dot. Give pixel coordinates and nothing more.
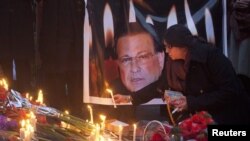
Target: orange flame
(108, 26)
(172, 17)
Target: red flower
(194, 126)
(22, 113)
(41, 119)
(3, 94)
(157, 137)
(167, 129)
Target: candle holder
(147, 137)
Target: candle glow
(30, 98)
(4, 83)
(66, 112)
(103, 118)
(97, 134)
(27, 95)
(112, 96)
(91, 114)
(120, 132)
(134, 133)
(40, 97)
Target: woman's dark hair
(178, 35)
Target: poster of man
(115, 55)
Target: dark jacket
(212, 85)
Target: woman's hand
(122, 98)
(180, 103)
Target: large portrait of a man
(122, 41)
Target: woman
(204, 76)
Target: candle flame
(4, 83)
(120, 127)
(89, 107)
(27, 95)
(108, 25)
(91, 114)
(134, 126)
(66, 112)
(102, 117)
(22, 123)
(106, 84)
(190, 21)
(172, 17)
(31, 98)
(109, 90)
(112, 96)
(40, 97)
(32, 115)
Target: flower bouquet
(195, 127)
(154, 130)
(39, 121)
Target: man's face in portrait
(139, 64)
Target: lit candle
(3, 82)
(97, 134)
(27, 135)
(134, 133)
(120, 132)
(22, 130)
(101, 138)
(33, 120)
(27, 95)
(63, 124)
(31, 98)
(66, 112)
(103, 118)
(31, 130)
(91, 114)
(68, 117)
(40, 97)
(112, 96)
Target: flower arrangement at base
(195, 127)
(23, 119)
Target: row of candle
(28, 128)
(39, 97)
(99, 128)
